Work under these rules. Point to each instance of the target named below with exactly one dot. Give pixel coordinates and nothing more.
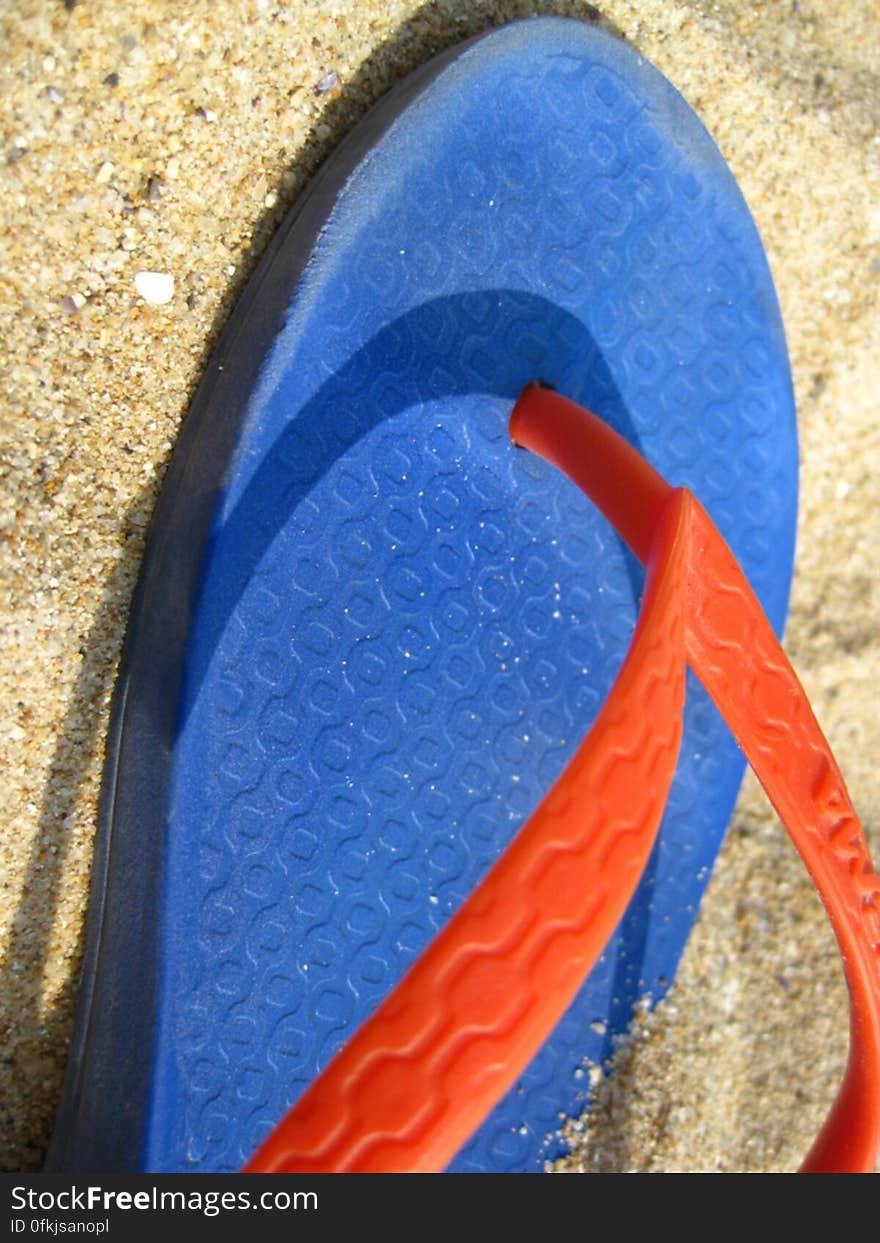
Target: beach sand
(169, 136)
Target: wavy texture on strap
(420, 1075)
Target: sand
(168, 137)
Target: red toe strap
(422, 1073)
(733, 651)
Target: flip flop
(369, 632)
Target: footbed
(403, 624)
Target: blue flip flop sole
(369, 632)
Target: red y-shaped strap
(418, 1077)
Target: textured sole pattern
(404, 626)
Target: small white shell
(156, 288)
